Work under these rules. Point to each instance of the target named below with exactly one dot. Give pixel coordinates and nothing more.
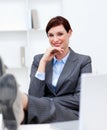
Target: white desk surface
(68, 125)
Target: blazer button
(51, 99)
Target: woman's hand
(51, 52)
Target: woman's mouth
(57, 44)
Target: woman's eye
(50, 35)
(60, 34)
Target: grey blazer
(46, 105)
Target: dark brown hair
(58, 20)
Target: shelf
(44, 11)
(16, 15)
(13, 37)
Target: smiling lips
(57, 44)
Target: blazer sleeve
(37, 91)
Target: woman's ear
(70, 32)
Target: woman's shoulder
(38, 56)
(81, 58)
(80, 55)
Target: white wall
(88, 19)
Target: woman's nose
(55, 38)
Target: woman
(54, 92)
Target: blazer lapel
(67, 70)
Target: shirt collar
(63, 60)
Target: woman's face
(58, 37)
